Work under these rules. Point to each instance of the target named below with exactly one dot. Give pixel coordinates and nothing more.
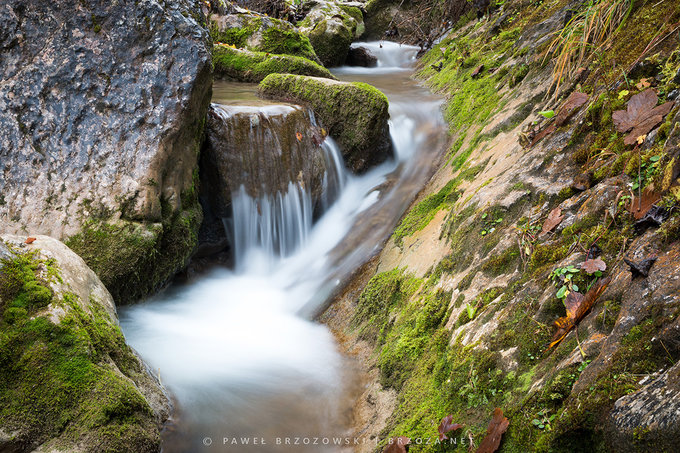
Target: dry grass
(589, 31)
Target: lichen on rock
(355, 114)
(68, 380)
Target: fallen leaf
(641, 115)
(29, 240)
(641, 268)
(573, 103)
(478, 70)
(640, 206)
(446, 427)
(299, 136)
(577, 306)
(494, 432)
(642, 84)
(593, 265)
(547, 114)
(554, 218)
(397, 445)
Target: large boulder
(256, 32)
(247, 66)
(102, 107)
(331, 27)
(355, 114)
(68, 380)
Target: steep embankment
(529, 212)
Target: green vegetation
(59, 380)
(247, 66)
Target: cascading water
(238, 349)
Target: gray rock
(648, 418)
(101, 107)
(361, 56)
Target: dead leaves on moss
(554, 218)
(574, 102)
(591, 266)
(446, 426)
(497, 426)
(641, 115)
(578, 305)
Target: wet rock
(676, 79)
(355, 114)
(331, 28)
(101, 107)
(673, 95)
(89, 373)
(276, 155)
(648, 418)
(361, 56)
(645, 68)
(247, 66)
(259, 33)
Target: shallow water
(239, 350)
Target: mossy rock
(355, 114)
(68, 380)
(261, 34)
(136, 259)
(247, 66)
(331, 28)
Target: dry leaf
(29, 240)
(299, 136)
(639, 206)
(577, 306)
(554, 218)
(497, 426)
(446, 427)
(593, 265)
(571, 105)
(642, 84)
(641, 115)
(397, 445)
(478, 70)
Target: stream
(247, 366)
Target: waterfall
(276, 169)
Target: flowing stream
(238, 349)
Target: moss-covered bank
(355, 114)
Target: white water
(236, 348)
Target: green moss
(331, 47)
(422, 213)
(503, 263)
(361, 129)
(58, 380)
(247, 66)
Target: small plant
(489, 223)
(543, 420)
(563, 277)
(471, 311)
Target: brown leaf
(29, 240)
(298, 135)
(573, 103)
(639, 206)
(397, 445)
(446, 427)
(641, 115)
(643, 83)
(593, 265)
(554, 218)
(478, 70)
(497, 426)
(577, 306)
